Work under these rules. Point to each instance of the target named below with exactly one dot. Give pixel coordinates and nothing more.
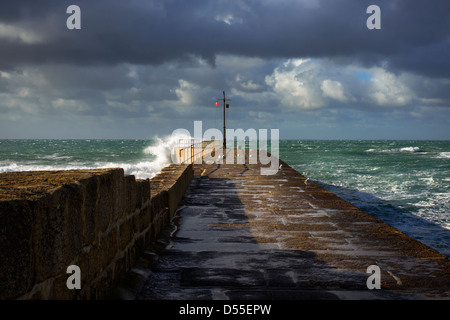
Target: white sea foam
(444, 155)
(398, 150)
(161, 150)
(55, 156)
(147, 168)
(428, 180)
(410, 149)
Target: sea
(405, 183)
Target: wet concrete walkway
(242, 235)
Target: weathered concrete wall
(171, 183)
(99, 220)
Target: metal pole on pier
(225, 105)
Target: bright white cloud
(334, 90)
(315, 84)
(5, 75)
(295, 85)
(386, 89)
(248, 85)
(186, 92)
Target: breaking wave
(398, 150)
(444, 155)
(139, 159)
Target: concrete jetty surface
(242, 235)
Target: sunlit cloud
(16, 33)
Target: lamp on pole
(225, 105)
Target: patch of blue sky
(366, 76)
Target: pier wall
(98, 220)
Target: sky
(139, 69)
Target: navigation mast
(225, 105)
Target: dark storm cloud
(141, 67)
(414, 36)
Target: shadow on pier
(213, 254)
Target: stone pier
(242, 235)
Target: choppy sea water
(142, 158)
(405, 183)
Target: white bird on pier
(308, 181)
